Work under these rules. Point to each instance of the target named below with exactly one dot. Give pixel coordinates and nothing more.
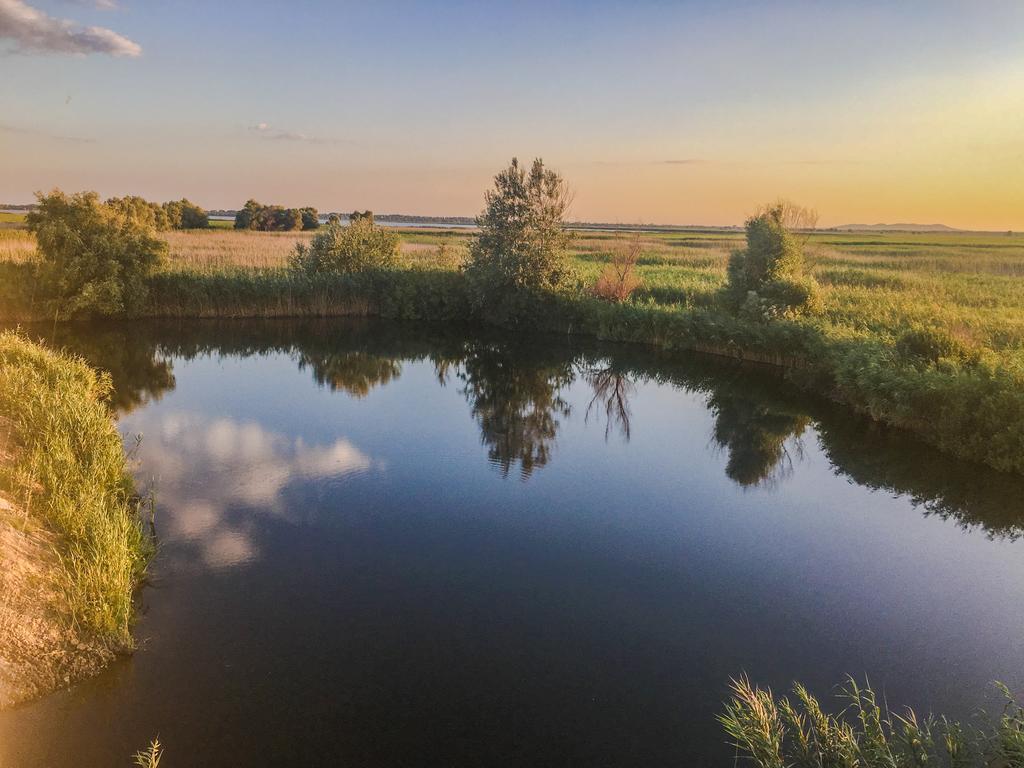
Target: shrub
(95, 258)
(930, 345)
(355, 248)
(618, 280)
(767, 278)
(522, 244)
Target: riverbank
(965, 400)
(921, 332)
(72, 549)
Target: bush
(522, 244)
(95, 258)
(767, 279)
(358, 247)
(618, 280)
(929, 345)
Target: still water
(383, 545)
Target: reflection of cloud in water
(214, 477)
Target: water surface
(385, 545)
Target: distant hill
(896, 228)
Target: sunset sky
(670, 112)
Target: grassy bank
(920, 331)
(66, 471)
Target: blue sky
(681, 112)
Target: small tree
(310, 218)
(95, 258)
(333, 218)
(360, 216)
(767, 278)
(522, 244)
(359, 246)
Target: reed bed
(775, 732)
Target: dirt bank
(39, 652)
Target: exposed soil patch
(39, 651)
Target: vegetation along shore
(72, 547)
(920, 331)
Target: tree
(360, 216)
(192, 216)
(359, 246)
(333, 218)
(767, 278)
(141, 210)
(310, 217)
(522, 244)
(246, 218)
(95, 258)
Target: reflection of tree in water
(515, 398)
(353, 372)
(755, 437)
(137, 372)
(612, 390)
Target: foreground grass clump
(68, 473)
(777, 733)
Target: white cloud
(246, 471)
(267, 131)
(32, 30)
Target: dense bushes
(767, 279)
(95, 257)
(359, 246)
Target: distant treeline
(175, 214)
(275, 218)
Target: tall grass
(68, 472)
(771, 732)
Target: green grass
(11, 218)
(68, 472)
(770, 732)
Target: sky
(654, 111)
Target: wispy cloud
(103, 5)
(33, 31)
(269, 132)
(5, 128)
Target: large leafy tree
(523, 243)
(94, 258)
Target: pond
(384, 544)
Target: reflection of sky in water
(204, 469)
